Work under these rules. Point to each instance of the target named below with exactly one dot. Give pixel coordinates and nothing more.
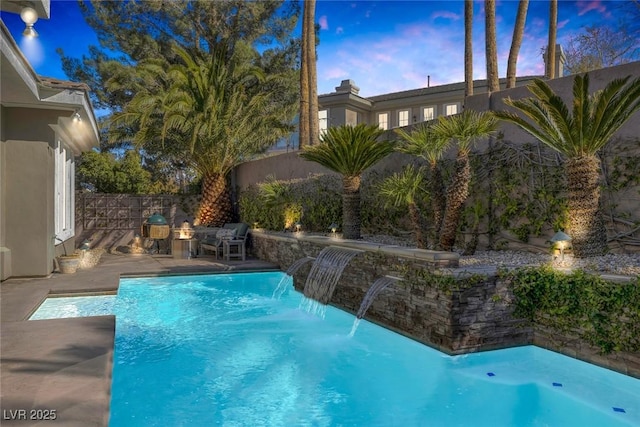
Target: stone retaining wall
(460, 321)
(476, 316)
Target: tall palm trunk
(491, 45)
(416, 222)
(303, 117)
(351, 207)
(314, 125)
(457, 194)
(551, 48)
(468, 47)
(516, 42)
(436, 188)
(586, 225)
(215, 206)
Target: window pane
(383, 121)
(428, 113)
(323, 122)
(403, 118)
(451, 109)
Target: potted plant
(67, 264)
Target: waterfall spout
(287, 279)
(326, 271)
(373, 291)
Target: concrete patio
(63, 366)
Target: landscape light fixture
(333, 227)
(298, 226)
(29, 17)
(76, 117)
(561, 239)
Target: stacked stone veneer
(478, 316)
(472, 319)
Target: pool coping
(66, 364)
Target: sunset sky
(384, 46)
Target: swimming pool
(75, 306)
(219, 350)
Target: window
(450, 109)
(323, 121)
(403, 118)
(64, 195)
(428, 113)
(383, 121)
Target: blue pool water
(220, 351)
(60, 307)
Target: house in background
(44, 124)
(345, 106)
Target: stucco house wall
(39, 139)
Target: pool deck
(63, 366)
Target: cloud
(587, 6)
(339, 30)
(334, 73)
(324, 24)
(382, 57)
(562, 24)
(445, 15)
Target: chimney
(348, 86)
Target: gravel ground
(623, 264)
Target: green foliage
(321, 202)
(213, 111)
(376, 217)
(465, 128)
(132, 33)
(502, 174)
(439, 279)
(605, 314)
(403, 188)
(349, 150)
(104, 173)
(588, 127)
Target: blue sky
(384, 46)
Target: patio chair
(232, 233)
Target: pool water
(220, 351)
(84, 306)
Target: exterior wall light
(29, 17)
(562, 240)
(76, 117)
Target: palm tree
(215, 111)
(516, 42)
(579, 135)
(551, 47)
(349, 151)
(468, 47)
(308, 118)
(465, 128)
(403, 189)
(314, 126)
(423, 143)
(491, 51)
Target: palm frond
(465, 128)
(423, 142)
(403, 188)
(591, 124)
(349, 150)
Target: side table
(239, 252)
